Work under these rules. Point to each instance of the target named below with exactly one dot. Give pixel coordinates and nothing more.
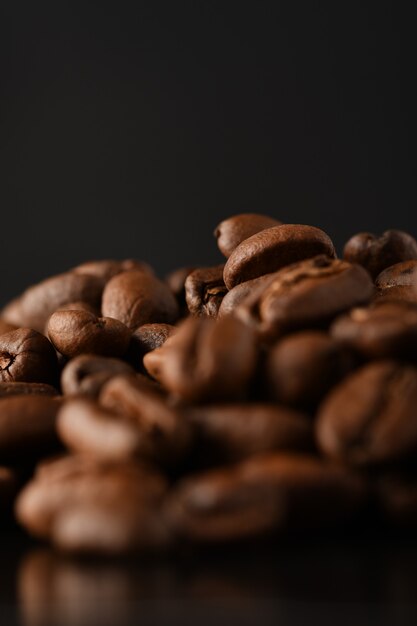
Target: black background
(131, 129)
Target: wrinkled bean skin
(274, 248)
(79, 376)
(204, 290)
(370, 418)
(305, 295)
(137, 298)
(79, 332)
(205, 360)
(268, 493)
(34, 307)
(386, 330)
(302, 367)
(26, 389)
(27, 356)
(234, 431)
(375, 253)
(232, 231)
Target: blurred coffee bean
(235, 431)
(205, 360)
(5, 327)
(26, 389)
(176, 282)
(232, 231)
(78, 332)
(386, 330)
(398, 282)
(86, 374)
(302, 367)
(137, 298)
(370, 417)
(305, 295)
(397, 498)
(34, 307)
(375, 253)
(274, 248)
(238, 294)
(204, 290)
(27, 356)
(106, 269)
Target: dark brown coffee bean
(79, 376)
(26, 389)
(165, 435)
(205, 360)
(34, 307)
(8, 488)
(396, 294)
(235, 431)
(87, 428)
(375, 253)
(302, 367)
(78, 332)
(231, 232)
(267, 493)
(106, 269)
(398, 283)
(92, 507)
(204, 290)
(27, 356)
(274, 248)
(5, 327)
(238, 294)
(371, 417)
(305, 295)
(176, 282)
(27, 427)
(137, 298)
(386, 330)
(149, 337)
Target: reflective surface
(321, 579)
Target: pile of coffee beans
(276, 391)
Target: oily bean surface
(232, 231)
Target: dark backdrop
(131, 129)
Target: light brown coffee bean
(205, 360)
(231, 232)
(376, 253)
(5, 327)
(27, 356)
(137, 298)
(204, 290)
(274, 248)
(78, 332)
(86, 374)
(370, 417)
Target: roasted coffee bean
(370, 417)
(137, 298)
(78, 332)
(106, 269)
(398, 282)
(91, 507)
(5, 327)
(27, 427)
(86, 374)
(204, 290)
(238, 294)
(386, 330)
(87, 428)
(149, 337)
(8, 488)
(176, 282)
(268, 493)
(302, 367)
(375, 253)
(26, 389)
(27, 356)
(235, 431)
(274, 248)
(305, 295)
(165, 434)
(231, 232)
(34, 307)
(205, 360)
(397, 294)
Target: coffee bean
(386, 330)
(302, 367)
(274, 492)
(376, 253)
(274, 248)
(231, 232)
(27, 356)
(238, 294)
(149, 337)
(78, 332)
(235, 431)
(86, 374)
(305, 295)
(5, 327)
(398, 282)
(34, 307)
(26, 389)
(204, 290)
(106, 269)
(205, 360)
(176, 282)
(27, 427)
(370, 417)
(137, 298)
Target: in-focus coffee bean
(204, 290)
(377, 253)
